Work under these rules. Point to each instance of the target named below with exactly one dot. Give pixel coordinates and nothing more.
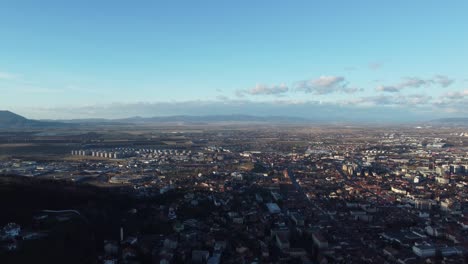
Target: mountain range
(11, 120)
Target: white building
(424, 251)
(273, 208)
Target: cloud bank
(394, 108)
(415, 82)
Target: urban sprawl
(271, 195)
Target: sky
(345, 60)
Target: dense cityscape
(233, 132)
(269, 194)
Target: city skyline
(364, 60)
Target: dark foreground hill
(79, 240)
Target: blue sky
(73, 59)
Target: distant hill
(452, 120)
(457, 121)
(188, 119)
(10, 120)
(214, 119)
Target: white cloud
(414, 100)
(457, 95)
(415, 82)
(390, 89)
(328, 81)
(262, 89)
(455, 106)
(325, 85)
(443, 80)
